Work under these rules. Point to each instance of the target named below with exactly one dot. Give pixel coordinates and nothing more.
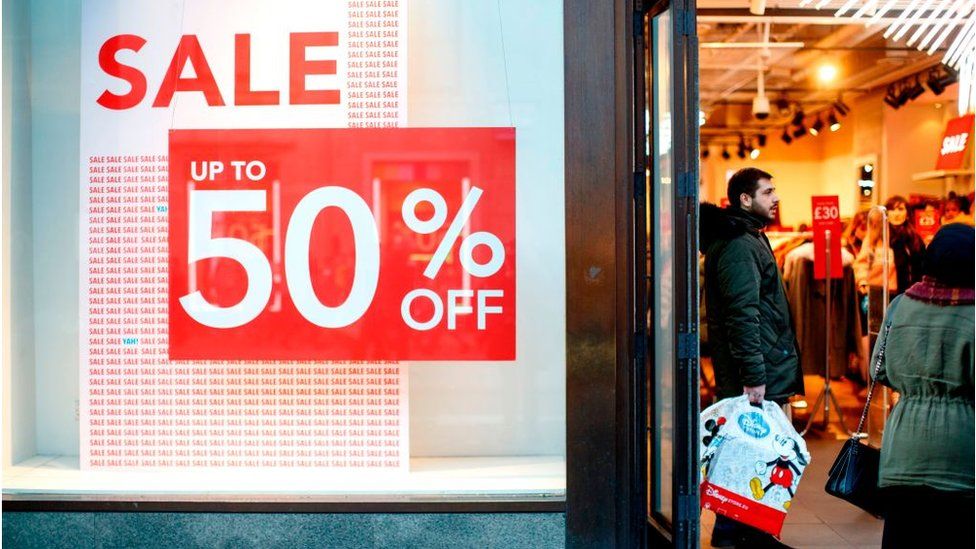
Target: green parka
(750, 330)
(928, 439)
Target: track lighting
(841, 107)
(914, 90)
(783, 106)
(762, 140)
(833, 121)
(798, 117)
(704, 152)
(800, 131)
(939, 82)
(741, 153)
(786, 136)
(754, 153)
(892, 98)
(725, 153)
(816, 127)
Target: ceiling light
(800, 131)
(939, 82)
(798, 117)
(816, 127)
(826, 73)
(869, 168)
(742, 147)
(704, 152)
(892, 97)
(762, 140)
(915, 90)
(841, 107)
(701, 118)
(725, 153)
(783, 105)
(892, 102)
(832, 120)
(786, 136)
(754, 153)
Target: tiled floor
(817, 519)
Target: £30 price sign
(826, 217)
(342, 244)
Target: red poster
(826, 218)
(959, 132)
(927, 223)
(342, 244)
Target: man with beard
(750, 330)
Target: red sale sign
(826, 218)
(958, 133)
(342, 244)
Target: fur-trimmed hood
(715, 223)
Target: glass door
(671, 256)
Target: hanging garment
(808, 304)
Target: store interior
(832, 106)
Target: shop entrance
(858, 125)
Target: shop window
(296, 248)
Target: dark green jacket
(928, 439)
(750, 331)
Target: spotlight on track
(762, 140)
(817, 126)
(892, 97)
(786, 136)
(725, 153)
(798, 118)
(939, 81)
(833, 121)
(914, 90)
(841, 107)
(741, 153)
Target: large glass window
(321, 244)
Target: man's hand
(755, 394)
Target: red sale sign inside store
(342, 244)
(955, 142)
(927, 223)
(826, 218)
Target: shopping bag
(752, 460)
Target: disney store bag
(751, 462)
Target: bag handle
(877, 368)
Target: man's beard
(767, 215)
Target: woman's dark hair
(895, 199)
(746, 181)
(949, 257)
(960, 201)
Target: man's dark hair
(746, 181)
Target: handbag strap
(877, 368)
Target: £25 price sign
(826, 217)
(342, 244)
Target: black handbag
(854, 475)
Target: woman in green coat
(927, 454)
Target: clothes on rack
(782, 243)
(808, 304)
